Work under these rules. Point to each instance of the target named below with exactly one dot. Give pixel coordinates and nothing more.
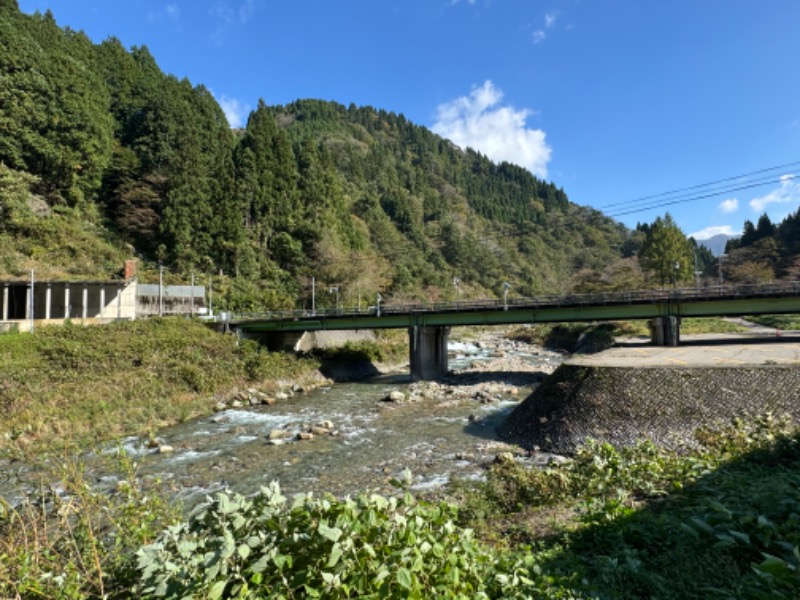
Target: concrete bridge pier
(428, 352)
(665, 331)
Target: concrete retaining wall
(622, 405)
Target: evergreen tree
(667, 252)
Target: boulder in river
(395, 396)
(280, 434)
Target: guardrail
(709, 293)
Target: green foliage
(667, 252)
(790, 322)
(76, 384)
(719, 521)
(370, 546)
(79, 542)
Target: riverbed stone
(395, 396)
(220, 406)
(166, 449)
(280, 434)
(305, 436)
(319, 431)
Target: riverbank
(633, 391)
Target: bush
(370, 546)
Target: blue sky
(613, 100)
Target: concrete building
(27, 304)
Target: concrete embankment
(667, 404)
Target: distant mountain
(716, 244)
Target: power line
(695, 198)
(701, 185)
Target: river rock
(305, 436)
(326, 424)
(165, 449)
(319, 431)
(236, 404)
(220, 406)
(280, 434)
(395, 396)
(276, 442)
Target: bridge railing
(705, 293)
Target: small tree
(667, 252)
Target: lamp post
(378, 299)
(335, 290)
(457, 285)
(506, 287)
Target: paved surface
(762, 346)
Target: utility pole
(332, 290)
(506, 287)
(160, 290)
(313, 296)
(210, 295)
(33, 305)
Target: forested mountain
(103, 156)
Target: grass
(788, 322)
(720, 522)
(75, 385)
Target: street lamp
(335, 290)
(378, 299)
(457, 284)
(506, 287)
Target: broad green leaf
(405, 578)
(336, 554)
(215, 593)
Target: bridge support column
(665, 331)
(428, 352)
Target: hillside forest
(104, 157)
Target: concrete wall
(57, 301)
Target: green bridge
(429, 324)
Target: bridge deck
(710, 301)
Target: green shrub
(370, 546)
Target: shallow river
(450, 433)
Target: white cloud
(235, 111)
(788, 192)
(230, 15)
(540, 35)
(173, 11)
(728, 206)
(500, 132)
(246, 11)
(710, 232)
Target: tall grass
(80, 385)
